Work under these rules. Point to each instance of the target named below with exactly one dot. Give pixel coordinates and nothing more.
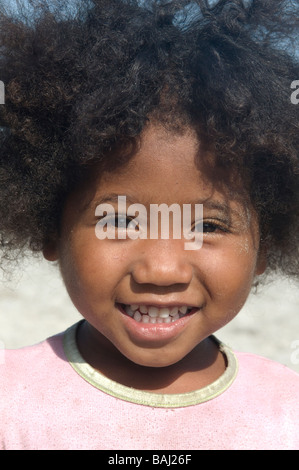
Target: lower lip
(154, 332)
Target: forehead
(159, 154)
(169, 166)
(166, 167)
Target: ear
(261, 264)
(50, 250)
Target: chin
(154, 360)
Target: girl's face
(109, 279)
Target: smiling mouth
(152, 314)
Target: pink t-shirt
(51, 399)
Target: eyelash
(216, 225)
(115, 218)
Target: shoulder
(260, 408)
(266, 378)
(30, 364)
(259, 365)
(35, 382)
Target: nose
(163, 263)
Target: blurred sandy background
(34, 305)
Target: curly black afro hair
(82, 79)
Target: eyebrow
(113, 198)
(208, 204)
(224, 208)
(218, 206)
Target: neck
(202, 366)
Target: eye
(118, 221)
(117, 226)
(210, 227)
(107, 220)
(122, 222)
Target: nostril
(159, 273)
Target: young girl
(181, 104)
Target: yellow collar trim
(140, 397)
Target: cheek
(91, 270)
(80, 267)
(228, 274)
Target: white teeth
(183, 310)
(137, 316)
(174, 311)
(143, 309)
(130, 311)
(151, 314)
(167, 320)
(164, 312)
